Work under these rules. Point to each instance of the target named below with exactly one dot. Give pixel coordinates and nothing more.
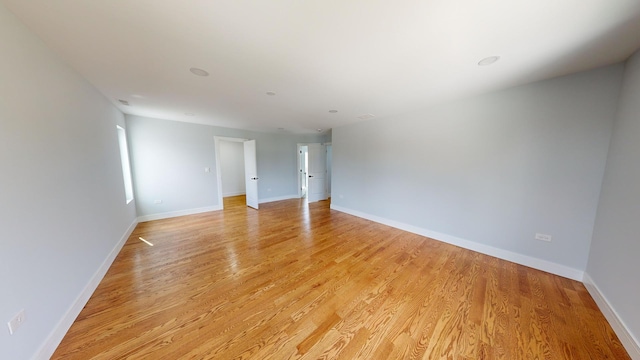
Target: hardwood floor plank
(300, 281)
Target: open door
(251, 173)
(317, 172)
(303, 179)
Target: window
(124, 160)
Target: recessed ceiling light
(281, 129)
(319, 130)
(271, 93)
(333, 111)
(190, 114)
(123, 102)
(199, 72)
(488, 60)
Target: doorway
(314, 174)
(232, 168)
(303, 169)
(249, 166)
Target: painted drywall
(169, 157)
(62, 200)
(232, 168)
(494, 169)
(613, 260)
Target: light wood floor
(294, 281)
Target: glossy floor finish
(298, 281)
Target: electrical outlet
(16, 322)
(158, 202)
(543, 237)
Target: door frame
(216, 140)
(329, 174)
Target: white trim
(278, 198)
(298, 170)
(172, 214)
(631, 344)
(60, 330)
(233, 193)
(517, 258)
(230, 139)
(216, 142)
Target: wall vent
(366, 116)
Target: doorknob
(254, 178)
(310, 176)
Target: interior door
(317, 172)
(303, 169)
(251, 173)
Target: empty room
(319, 179)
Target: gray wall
(494, 169)
(62, 201)
(168, 160)
(613, 261)
(232, 168)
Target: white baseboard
(173, 214)
(55, 337)
(233, 193)
(517, 258)
(279, 198)
(631, 344)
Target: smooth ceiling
(358, 57)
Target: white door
(317, 172)
(303, 180)
(251, 173)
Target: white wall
(491, 171)
(232, 168)
(62, 201)
(168, 160)
(613, 261)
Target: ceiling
(355, 56)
